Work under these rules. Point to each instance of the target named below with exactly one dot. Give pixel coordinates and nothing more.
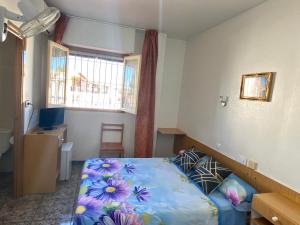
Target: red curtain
(144, 127)
(60, 28)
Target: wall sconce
(224, 100)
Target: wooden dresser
(273, 208)
(42, 150)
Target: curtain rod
(103, 21)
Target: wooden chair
(111, 147)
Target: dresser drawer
(276, 217)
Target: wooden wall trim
(259, 181)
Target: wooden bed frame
(262, 183)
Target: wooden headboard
(260, 182)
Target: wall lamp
(224, 100)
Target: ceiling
(178, 18)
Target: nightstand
(273, 208)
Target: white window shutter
(56, 75)
(132, 67)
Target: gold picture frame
(256, 86)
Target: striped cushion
(188, 159)
(210, 175)
(201, 162)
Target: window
(131, 83)
(57, 70)
(95, 81)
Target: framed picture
(256, 86)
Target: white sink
(5, 135)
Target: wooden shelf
(171, 131)
(260, 221)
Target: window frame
(93, 53)
(78, 109)
(51, 45)
(104, 55)
(138, 58)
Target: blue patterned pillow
(188, 159)
(209, 175)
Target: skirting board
(260, 182)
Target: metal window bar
(100, 91)
(104, 87)
(87, 80)
(116, 84)
(93, 83)
(99, 83)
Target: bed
(152, 191)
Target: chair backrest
(110, 127)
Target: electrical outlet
(27, 103)
(252, 164)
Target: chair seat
(110, 146)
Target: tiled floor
(40, 209)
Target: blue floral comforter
(140, 191)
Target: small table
(172, 131)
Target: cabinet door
(57, 74)
(132, 66)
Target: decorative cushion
(186, 160)
(201, 162)
(237, 190)
(210, 175)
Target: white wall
(84, 130)
(35, 68)
(98, 35)
(266, 38)
(168, 85)
(171, 83)
(34, 74)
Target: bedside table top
(280, 204)
(171, 131)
